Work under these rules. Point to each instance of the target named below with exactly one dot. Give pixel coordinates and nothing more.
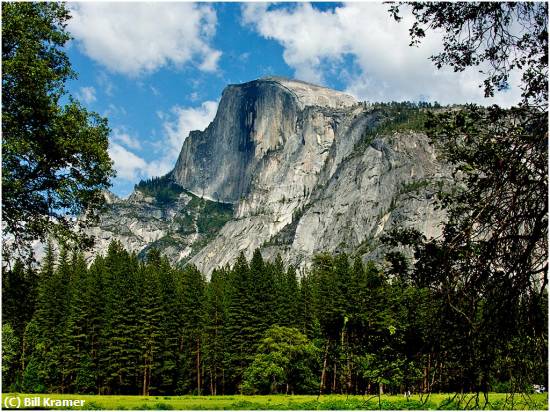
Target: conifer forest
(125, 326)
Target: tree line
(124, 326)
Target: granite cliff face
(253, 121)
(305, 168)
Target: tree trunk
(428, 373)
(323, 372)
(150, 372)
(334, 379)
(144, 391)
(23, 350)
(198, 367)
(212, 390)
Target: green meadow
(496, 401)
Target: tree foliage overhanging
(491, 262)
(497, 37)
(54, 152)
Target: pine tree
(95, 320)
(215, 318)
(307, 315)
(119, 352)
(287, 293)
(165, 374)
(240, 323)
(150, 314)
(19, 289)
(262, 292)
(191, 362)
(18, 296)
(76, 350)
(51, 316)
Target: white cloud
(128, 165)
(131, 167)
(139, 38)
(105, 82)
(187, 119)
(176, 127)
(87, 94)
(122, 137)
(210, 61)
(386, 68)
(114, 110)
(154, 90)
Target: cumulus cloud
(128, 165)
(139, 38)
(182, 120)
(176, 127)
(385, 68)
(122, 137)
(87, 94)
(131, 167)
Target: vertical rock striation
(307, 169)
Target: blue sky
(157, 70)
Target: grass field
(238, 402)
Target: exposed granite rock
(176, 228)
(306, 172)
(254, 120)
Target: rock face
(179, 227)
(253, 120)
(307, 169)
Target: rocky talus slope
(296, 169)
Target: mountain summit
(253, 119)
(291, 168)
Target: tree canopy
(491, 262)
(55, 161)
(125, 326)
(501, 37)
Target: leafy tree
(31, 359)
(55, 161)
(286, 362)
(492, 257)
(32, 377)
(498, 36)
